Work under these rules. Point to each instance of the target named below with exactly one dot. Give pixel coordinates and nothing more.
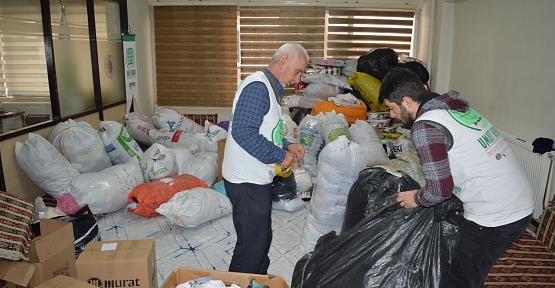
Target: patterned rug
(527, 263)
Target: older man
(254, 145)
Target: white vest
(488, 178)
(239, 166)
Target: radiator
(538, 167)
(29, 107)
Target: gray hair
(287, 49)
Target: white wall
(499, 58)
(502, 63)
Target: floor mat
(207, 246)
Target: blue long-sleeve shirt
(252, 105)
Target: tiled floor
(207, 246)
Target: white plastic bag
(310, 136)
(80, 143)
(306, 102)
(288, 205)
(290, 129)
(338, 167)
(196, 206)
(403, 144)
(312, 231)
(106, 191)
(334, 125)
(119, 145)
(301, 101)
(170, 119)
(321, 91)
(317, 78)
(303, 179)
(367, 137)
(158, 162)
(206, 141)
(203, 165)
(138, 126)
(44, 164)
(182, 153)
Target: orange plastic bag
(352, 113)
(149, 196)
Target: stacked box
(120, 263)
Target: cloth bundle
(149, 196)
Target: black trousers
(252, 218)
(479, 248)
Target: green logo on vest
(470, 119)
(456, 190)
(489, 138)
(277, 133)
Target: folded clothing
(345, 100)
(146, 197)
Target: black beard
(408, 124)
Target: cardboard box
(221, 148)
(17, 273)
(122, 263)
(61, 281)
(182, 275)
(51, 254)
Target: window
(354, 31)
(329, 33)
(23, 63)
(50, 62)
(70, 38)
(110, 52)
(185, 67)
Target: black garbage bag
(284, 188)
(297, 114)
(377, 62)
(85, 228)
(370, 192)
(418, 69)
(391, 247)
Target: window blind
(198, 73)
(263, 29)
(22, 54)
(354, 31)
(196, 55)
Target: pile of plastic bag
(383, 244)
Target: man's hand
(296, 149)
(289, 159)
(406, 199)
